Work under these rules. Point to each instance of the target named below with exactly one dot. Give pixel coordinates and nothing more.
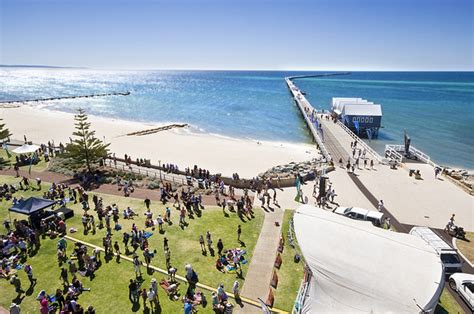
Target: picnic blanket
(147, 234)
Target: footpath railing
(369, 149)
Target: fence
(369, 149)
(390, 148)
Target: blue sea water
(436, 108)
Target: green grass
(290, 273)
(184, 245)
(447, 304)
(42, 165)
(109, 288)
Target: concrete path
(111, 189)
(257, 280)
(428, 202)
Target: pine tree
(4, 133)
(85, 149)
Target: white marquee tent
(26, 149)
(360, 268)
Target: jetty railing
(369, 149)
(392, 153)
(301, 101)
(413, 150)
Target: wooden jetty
(333, 138)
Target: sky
(239, 34)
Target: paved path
(111, 189)
(257, 280)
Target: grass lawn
(467, 247)
(290, 273)
(184, 243)
(447, 304)
(40, 166)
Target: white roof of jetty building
(362, 110)
(360, 268)
(339, 103)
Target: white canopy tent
(26, 149)
(360, 268)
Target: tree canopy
(4, 132)
(85, 149)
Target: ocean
(435, 108)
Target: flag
(5, 147)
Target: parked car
(361, 214)
(448, 255)
(463, 284)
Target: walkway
(257, 280)
(111, 189)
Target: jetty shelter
(359, 268)
(361, 116)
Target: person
(15, 308)
(15, 281)
(147, 202)
(63, 276)
(133, 291)
(372, 164)
(168, 258)
(239, 232)
(235, 290)
(90, 310)
(201, 242)
(380, 206)
(172, 274)
(29, 272)
(209, 239)
(168, 215)
(117, 248)
(450, 223)
(154, 285)
(136, 265)
(160, 223)
(220, 247)
(165, 243)
(153, 298)
(44, 306)
(144, 296)
(387, 223)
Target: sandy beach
(179, 146)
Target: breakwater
(65, 97)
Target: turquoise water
(437, 109)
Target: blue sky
(232, 34)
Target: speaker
(322, 186)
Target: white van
(361, 214)
(449, 256)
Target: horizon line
(224, 69)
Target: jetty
(330, 136)
(423, 200)
(64, 97)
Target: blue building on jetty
(359, 115)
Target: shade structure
(26, 149)
(359, 268)
(31, 205)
